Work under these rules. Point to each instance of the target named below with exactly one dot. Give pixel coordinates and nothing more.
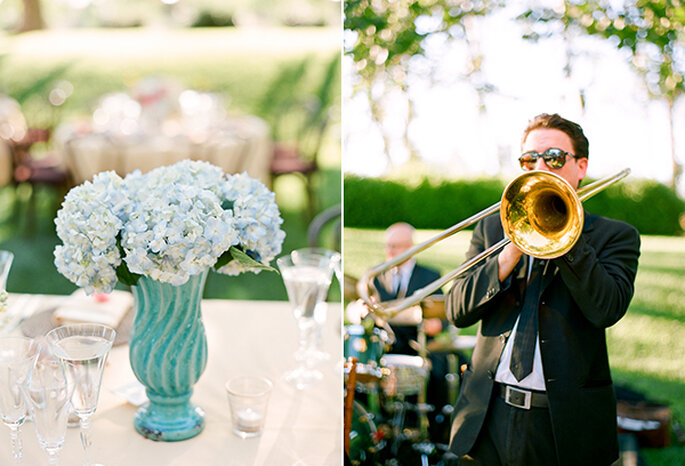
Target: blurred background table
(236, 144)
(244, 338)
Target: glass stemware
(17, 358)
(314, 349)
(6, 259)
(307, 276)
(83, 350)
(47, 395)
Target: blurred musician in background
(402, 281)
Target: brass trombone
(541, 214)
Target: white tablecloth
(244, 337)
(238, 144)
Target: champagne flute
(47, 395)
(307, 276)
(17, 358)
(83, 350)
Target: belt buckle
(517, 398)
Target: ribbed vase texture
(168, 353)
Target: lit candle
(249, 420)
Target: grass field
(646, 347)
(239, 63)
(33, 270)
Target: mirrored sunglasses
(554, 158)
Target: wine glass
(17, 357)
(307, 276)
(83, 350)
(47, 395)
(314, 350)
(6, 259)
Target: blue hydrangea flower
(169, 224)
(256, 218)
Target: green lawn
(646, 347)
(33, 270)
(240, 63)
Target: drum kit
(387, 418)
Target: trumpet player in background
(538, 390)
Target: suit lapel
(384, 293)
(521, 269)
(548, 274)
(415, 275)
(415, 278)
(551, 269)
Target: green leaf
(223, 259)
(247, 261)
(125, 276)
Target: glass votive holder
(248, 398)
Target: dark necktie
(524, 342)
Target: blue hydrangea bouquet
(168, 224)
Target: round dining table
(302, 427)
(236, 144)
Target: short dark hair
(581, 146)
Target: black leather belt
(521, 398)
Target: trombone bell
(541, 214)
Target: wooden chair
(300, 157)
(45, 171)
(287, 160)
(299, 122)
(320, 221)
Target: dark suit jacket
(585, 291)
(420, 277)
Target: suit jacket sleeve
(601, 273)
(472, 294)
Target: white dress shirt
(401, 276)
(533, 381)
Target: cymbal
(434, 307)
(349, 288)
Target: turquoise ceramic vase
(168, 353)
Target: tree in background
(653, 31)
(385, 37)
(33, 16)
(27, 15)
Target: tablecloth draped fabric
(238, 144)
(244, 338)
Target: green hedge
(375, 203)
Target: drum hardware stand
(425, 449)
(349, 400)
(452, 379)
(399, 410)
(422, 405)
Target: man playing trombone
(538, 390)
